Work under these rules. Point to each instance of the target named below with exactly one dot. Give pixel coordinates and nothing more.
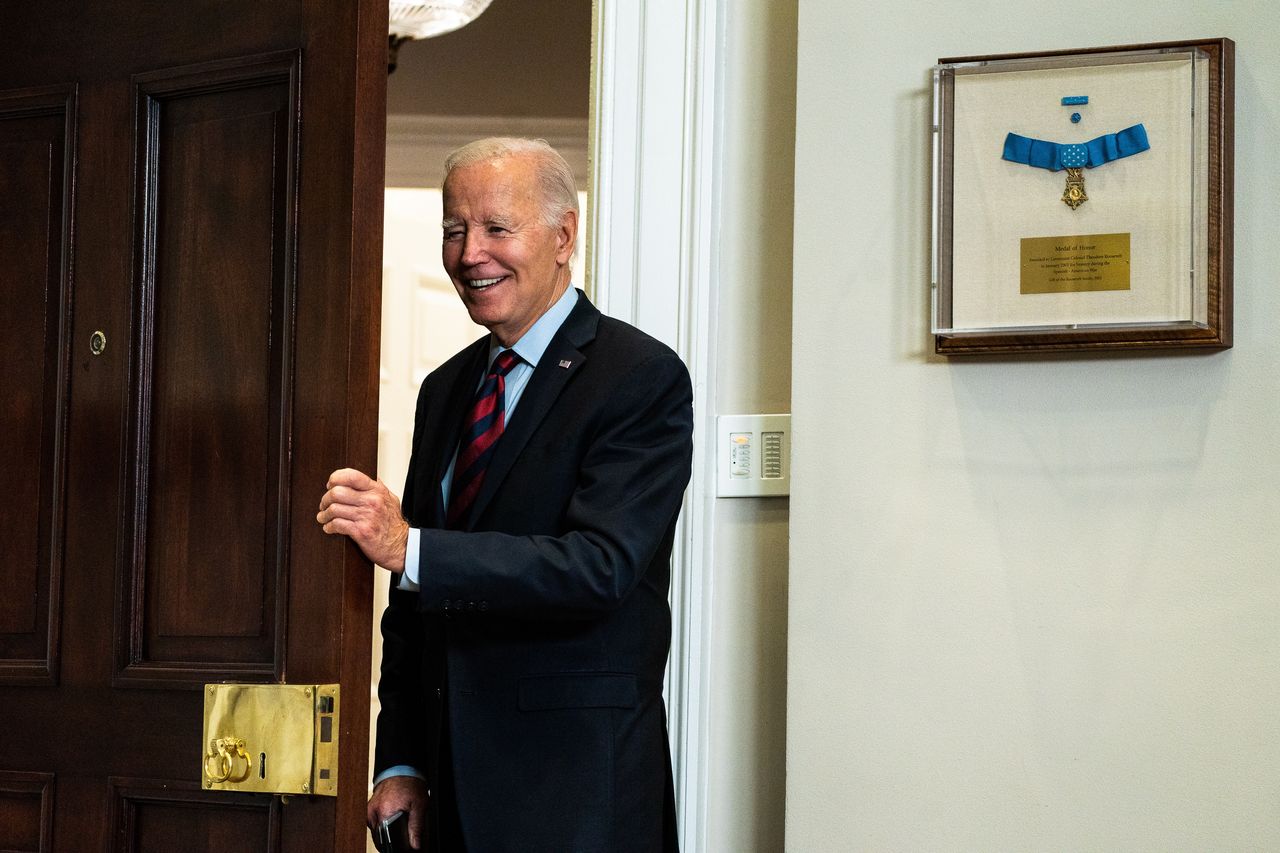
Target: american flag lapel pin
(564, 362)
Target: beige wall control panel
(753, 456)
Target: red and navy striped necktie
(481, 431)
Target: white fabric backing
(1149, 195)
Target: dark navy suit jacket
(538, 640)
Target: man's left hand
(365, 509)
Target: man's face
(505, 263)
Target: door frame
(655, 144)
(655, 141)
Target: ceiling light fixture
(420, 20)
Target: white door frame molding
(655, 144)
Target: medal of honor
(1074, 195)
(1075, 157)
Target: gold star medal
(1074, 158)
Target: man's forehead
(487, 191)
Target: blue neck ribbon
(1056, 156)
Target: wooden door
(190, 215)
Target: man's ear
(566, 236)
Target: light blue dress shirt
(530, 348)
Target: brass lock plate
(270, 738)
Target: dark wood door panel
(149, 816)
(212, 391)
(36, 150)
(226, 159)
(96, 731)
(97, 41)
(26, 811)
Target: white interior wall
(747, 700)
(1032, 600)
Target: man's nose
(474, 248)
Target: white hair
(555, 178)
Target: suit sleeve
(402, 732)
(401, 737)
(619, 517)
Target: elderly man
(528, 627)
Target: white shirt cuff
(398, 770)
(409, 580)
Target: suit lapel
(561, 361)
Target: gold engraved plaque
(1077, 264)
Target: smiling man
(528, 628)
(507, 246)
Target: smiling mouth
(482, 283)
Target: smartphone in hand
(392, 834)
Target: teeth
(480, 283)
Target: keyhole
(98, 343)
(262, 765)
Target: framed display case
(1082, 199)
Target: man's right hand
(363, 508)
(401, 794)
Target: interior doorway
(423, 324)
(445, 92)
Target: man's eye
(453, 234)
(497, 229)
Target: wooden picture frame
(1134, 250)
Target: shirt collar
(533, 343)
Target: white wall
(1033, 602)
(747, 700)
